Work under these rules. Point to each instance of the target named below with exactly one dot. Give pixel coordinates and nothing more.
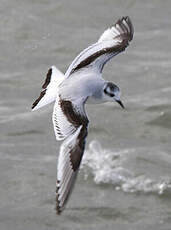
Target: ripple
(163, 120)
(28, 132)
(108, 167)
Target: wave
(108, 167)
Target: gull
(82, 83)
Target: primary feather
(113, 41)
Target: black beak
(120, 102)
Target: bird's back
(81, 85)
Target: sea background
(125, 178)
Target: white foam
(108, 166)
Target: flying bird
(82, 83)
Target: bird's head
(111, 92)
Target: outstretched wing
(113, 41)
(49, 89)
(73, 129)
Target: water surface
(125, 178)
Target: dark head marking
(110, 89)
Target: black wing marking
(44, 86)
(71, 153)
(113, 41)
(49, 89)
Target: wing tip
(35, 104)
(43, 92)
(128, 20)
(51, 74)
(58, 207)
(126, 26)
(53, 67)
(33, 108)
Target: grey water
(125, 177)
